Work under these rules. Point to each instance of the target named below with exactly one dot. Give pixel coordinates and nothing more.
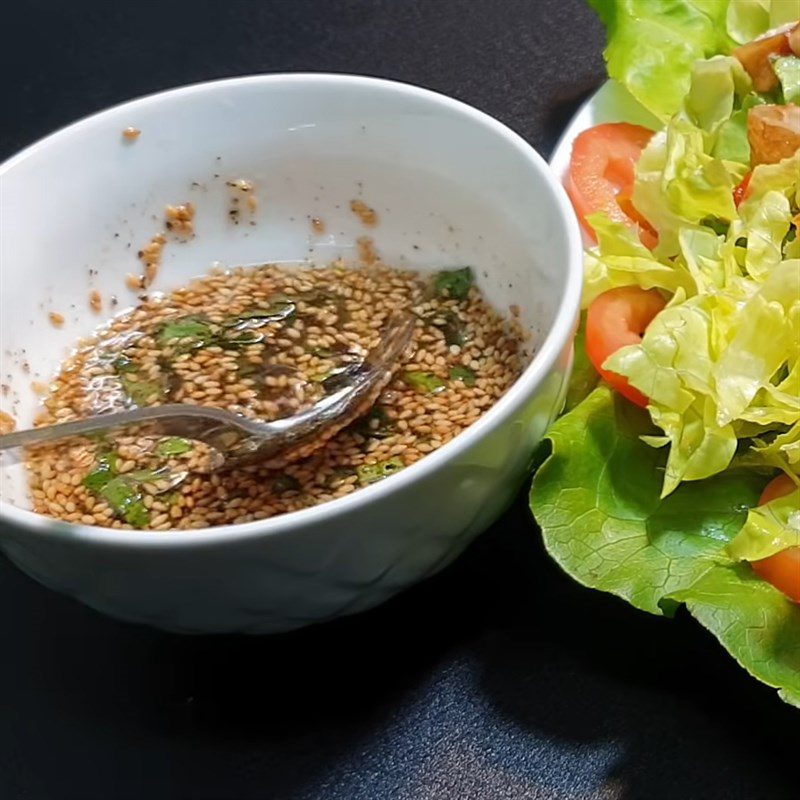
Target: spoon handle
(169, 419)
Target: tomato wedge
(756, 56)
(615, 319)
(783, 569)
(601, 175)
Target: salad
(674, 477)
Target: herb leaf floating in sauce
(105, 470)
(463, 374)
(453, 283)
(142, 392)
(139, 391)
(195, 331)
(193, 327)
(124, 496)
(124, 364)
(174, 446)
(121, 492)
(372, 473)
(425, 382)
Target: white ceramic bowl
(452, 187)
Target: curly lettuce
(652, 45)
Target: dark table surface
(498, 679)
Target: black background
(498, 679)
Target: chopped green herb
(454, 283)
(425, 382)
(171, 498)
(372, 473)
(193, 327)
(139, 391)
(124, 496)
(105, 470)
(285, 483)
(174, 446)
(463, 374)
(124, 364)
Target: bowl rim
(546, 355)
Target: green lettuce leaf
(780, 12)
(597, 501)
(769, 529)
(765, 333)
(584, 376)
(783, 451)
(680, 184)
(717, 84)
(731, 142)
(747, 19)
(766, 214)
(651, 46)
(787, 68)
(707, 364)
(620, 259)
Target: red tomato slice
(783, 569)
(601, 174)
(615, 319)
(740, 192)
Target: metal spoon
(239, 440)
